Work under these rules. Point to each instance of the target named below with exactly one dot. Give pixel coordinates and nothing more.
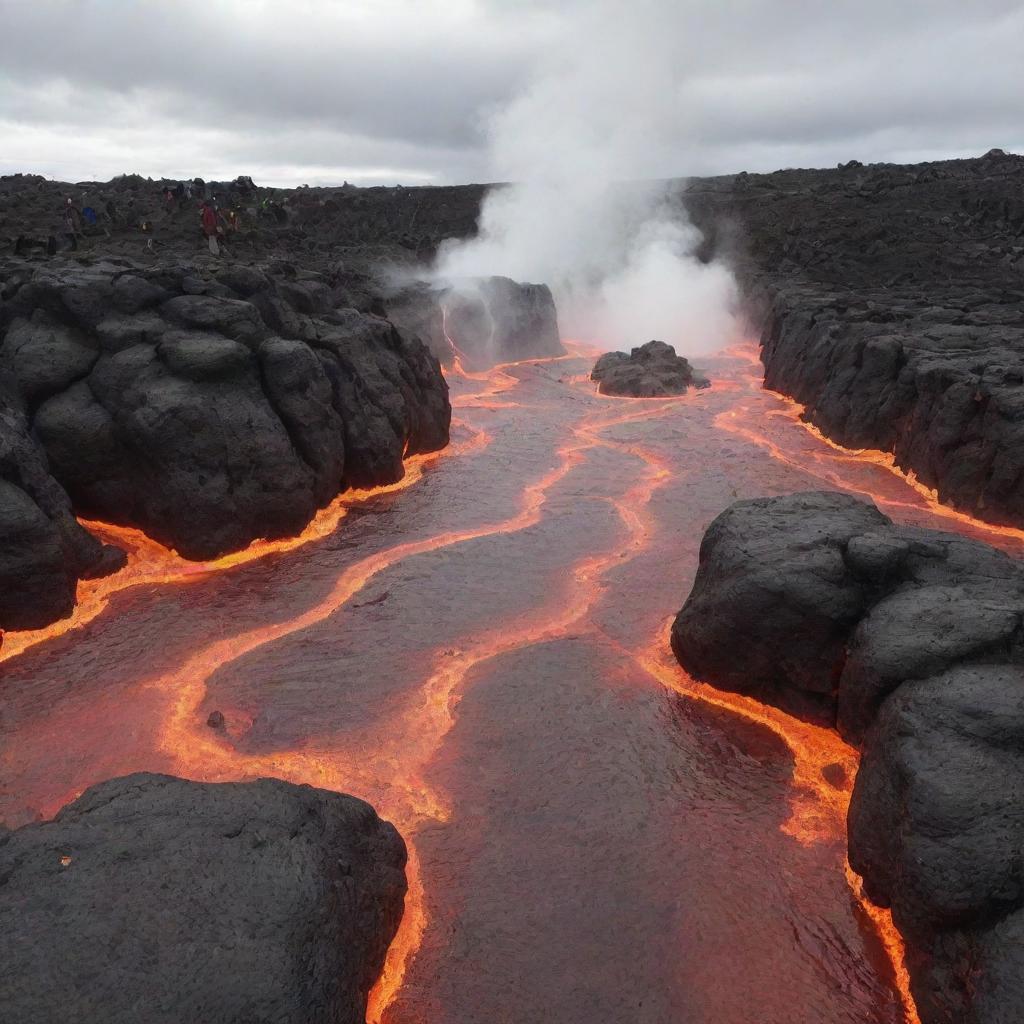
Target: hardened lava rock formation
(151, 899)
(911, 642)
(210, 407)
(44, 550)
(937, 828)
(481, 321)
(650, 371)
(890, 301)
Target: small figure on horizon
(210, 222)
(72, 223)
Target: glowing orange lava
(737, 421)
(887, 461)
(393, 774)
(200, 754)
(824, 766)
(150, 563)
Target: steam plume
(600, 115)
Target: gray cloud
(379, 91)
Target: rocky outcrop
(44, 550)
(497, 320)
(818, 597)
(208, 408)
(937, 830)
(415, 308)
(482, 321)
(910, 642)
(890, 303)
(153, 899)
(650, 371)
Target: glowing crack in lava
(824, 768)
(370, 654)
(846, 468)
(150, 563)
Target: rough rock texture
(482, 321)
(937, 831)
(496, 319)
(819, 597)
(152, 900)
(313, 226)
(415, 308)
(43, 549)
(208, 406)
(911, 642)
(650, 371)
(891, 304)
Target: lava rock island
(649, 371)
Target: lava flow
(593, 836)
(150, 563)
(824, 768)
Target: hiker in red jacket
(210, 221)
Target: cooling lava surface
(481, 653)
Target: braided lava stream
(480, 652)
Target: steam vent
(369, 654)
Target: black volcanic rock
(44, 550)
(209, 409)
(774, 602)
(484, 321)
(819, 599)
(317, 227)
(891, 304)
(152, 900)
(650, 371)
(415, 309)
(498, 320)
(210, 402)
(937, 829)
(911, 643)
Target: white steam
(601, 115)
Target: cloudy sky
(385, 91)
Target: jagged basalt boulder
(911, 643)
(650, 371)
(211, 409)
(152, 899)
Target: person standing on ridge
(72, 223)
(209, 218)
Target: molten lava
(567, 518)
(844, 468)
(149, 562)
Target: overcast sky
(385, 91)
